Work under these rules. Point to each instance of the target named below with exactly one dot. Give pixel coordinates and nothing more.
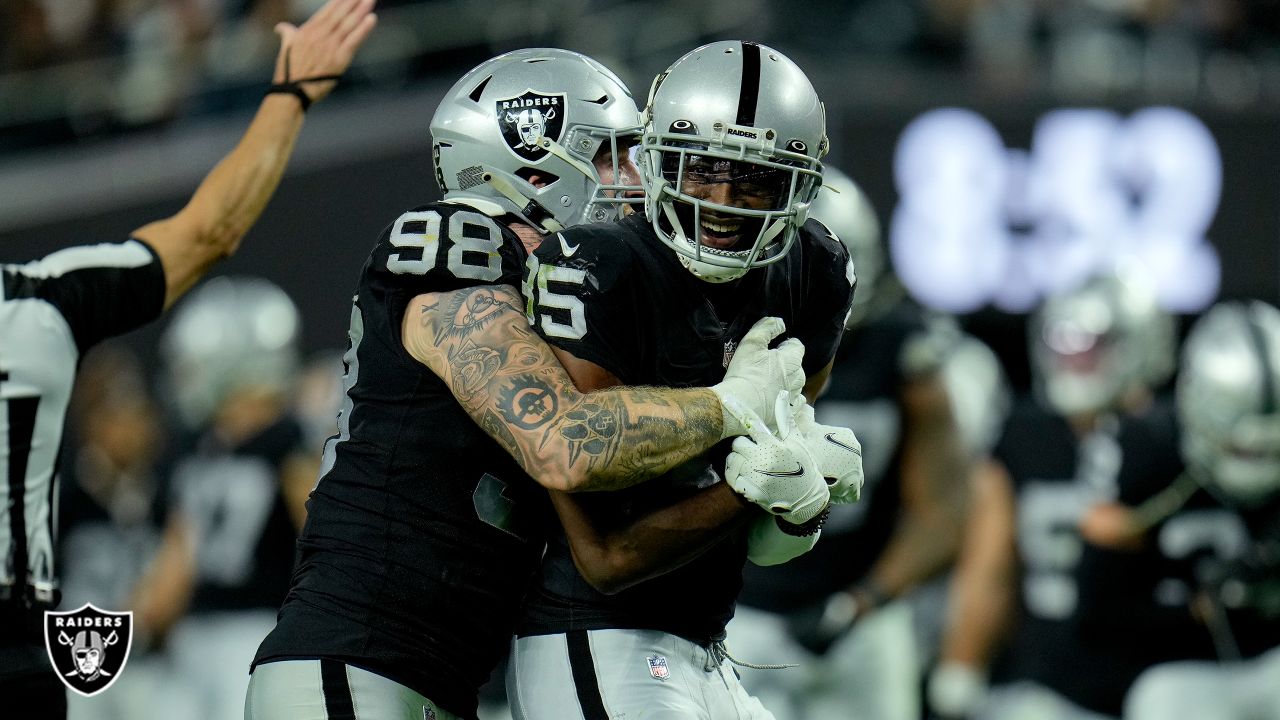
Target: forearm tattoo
(509, 381)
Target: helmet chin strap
(530, 208)
(762, 241)
(558, 150)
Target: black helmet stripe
(1259, 339)
(749, 93)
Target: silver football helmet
(231, 334)
(539, 113)
(845, 210)
(1229, 402)
(730, 156)
(1091, 345)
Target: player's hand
(820, 625)
(322, 47)
(757, 374)
(778, 473)
(768, 543)
(955, 690)
(836, 449)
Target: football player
(730, 159)
(233, 508)
(1092, 431)
(1190, 570)
(831, 611)
(428, 520)
(53, 310)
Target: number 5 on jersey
(540, 299)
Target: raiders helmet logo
(88, 647)
(528, 118)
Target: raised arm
(233, 195)
(509, 381)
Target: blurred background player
(831, 611)
(428, 519)
(1189, 570)
(1091, 429)
(236, 492)
(53, 310)
(110, 514)
(730, 156)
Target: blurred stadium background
(111, 110)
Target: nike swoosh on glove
(778, 474)
(836, 450)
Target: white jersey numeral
(472, 255)
(539, 296)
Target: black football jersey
(1140, 600)
(614, 295)
(106, 542)
(232, 500)
(863, 395)
(422, 533)
(1056, 477)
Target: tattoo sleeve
(509, 381)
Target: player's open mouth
(722, 235)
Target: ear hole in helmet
(537, 177)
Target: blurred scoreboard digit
(979, 224)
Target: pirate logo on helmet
(527, 119)
(88, 647)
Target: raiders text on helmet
(735, 116)
(537, 114)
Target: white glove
(955, 690)
(756, 374)
(768, 545)
(778, 473)
(836, 449)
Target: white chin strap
(712, 272)
(548, 225)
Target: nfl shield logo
(729, 347)
(528, 118)
(658, 667)
(88, 647)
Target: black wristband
(291, 88)
(294, 87)
(805, 529)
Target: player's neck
(529, 236)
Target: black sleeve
(830, 272)
(101, 290)
(584, 300)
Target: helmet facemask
(733, 135)
(763, 193)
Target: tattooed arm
(508, 380)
